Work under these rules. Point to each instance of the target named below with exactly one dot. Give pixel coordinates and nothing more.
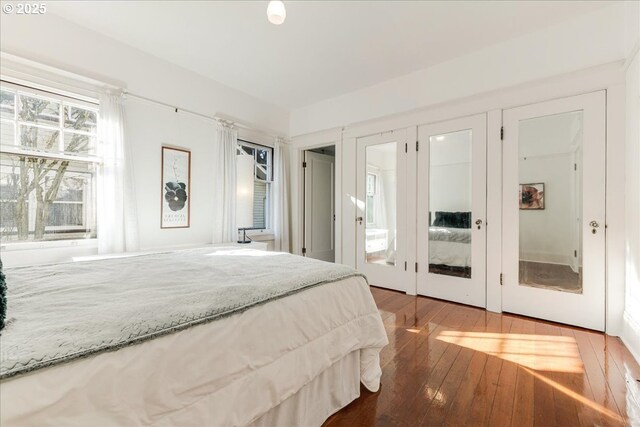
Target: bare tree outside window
(45, 192)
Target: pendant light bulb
(276, 13)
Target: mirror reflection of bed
(450, 244)
(450, 204)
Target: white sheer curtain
(224, 165)
(380, 210)
(281, 225)
(117, 219)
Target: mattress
(229, 372)
(66, 311)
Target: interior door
(451, 203)
(554, 210)
(381, 209)
(319, 209)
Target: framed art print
(176, 188)
(532, 196)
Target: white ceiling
(324, 49)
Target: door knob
(359, 219)
(594, 224)
(478, 223)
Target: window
(48, 166)
(262, 174)
(372, 181)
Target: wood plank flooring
(452, 365)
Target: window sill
(50, 244)
(260, 235)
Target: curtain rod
(204, 116)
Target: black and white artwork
(176, 185)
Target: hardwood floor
(454, 365)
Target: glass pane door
(381, 224)
(553, 248)
(451, 203)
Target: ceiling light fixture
(276, 13)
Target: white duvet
(227, 372)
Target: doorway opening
(319, 203)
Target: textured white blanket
(62, 312)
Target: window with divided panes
(263, 177)
(48, 163)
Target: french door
(554, 210)
(381, 226)
(451, 210)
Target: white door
(319, 236)
(451, 203)
(554, 210)
(381, 226)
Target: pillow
(453, 219)
(3, 297)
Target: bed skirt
(329, 392)
(290, 362)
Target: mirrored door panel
(550, 202)
(553, 249)
(451, 191)
(380, 204)
(450, 202)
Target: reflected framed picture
(176, 188)
(532, 196)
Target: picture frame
(531, 196)
(175, 188)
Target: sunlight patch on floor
(538, 352)
(576, 396)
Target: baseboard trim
(630, 335)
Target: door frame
(305, 225)
(594, 106)
(296, 157)
(470, 291)
(398, 277)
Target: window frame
(266, 232)
(65, 99)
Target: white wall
(546, 235)
(54, 41)
(587, 41)
(60, 44)
(147, 128)
(631, 322)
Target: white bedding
(454, 254)
(228, 372)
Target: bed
(450, 243)
(200, 337)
